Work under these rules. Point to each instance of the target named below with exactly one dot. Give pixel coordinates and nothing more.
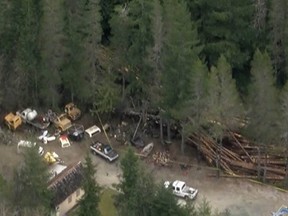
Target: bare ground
(242, 197)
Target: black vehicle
(76, 132)
(137, 142)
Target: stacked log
(239, 157)
(161, 158)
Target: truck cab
(12, 121)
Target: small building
(66, 189)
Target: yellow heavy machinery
(12, 121)
(72, 111)
(52, 158)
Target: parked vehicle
(72, 111)
(91, 131)
(52, 158)
(31, 117)
(62, 122)
(138, 142)
(12, 121)
(104, 150)
(76, 132)
(179, 188)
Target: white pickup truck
(104, 150)
(179, 188)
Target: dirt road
(242, 197)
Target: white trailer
(104, 150)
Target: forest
(199, 63)
(203, 64)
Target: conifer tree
(223, 103)
(52, 52)
(30, 184)
(262, 102)
(88, 205)
(180, 50)
(278, 38)
(82, 36)
(225, 27)
(283, 124)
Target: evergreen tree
(180, 50)
(82, 35)
(283, 124)
(52, 52)
(224, 27)
(140, 41)
(197, 101)
(165, 204)
(262, 102)
(278, 38)
(120, 33)
(131, 40)
(20, 50)
(31, 184)
(88, 205)
(140, 196)
(223, 103)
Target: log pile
(238, 156)
(161, 158)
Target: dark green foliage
(165, 204)
(82, 34)
(180, 49)
(278, 38)
(139, 194)
(132, 38)
(223, 103)
(88, 205)
(224, 28)
(20, 50)
(30, 183)
(51, 53)
(262, 100)
(199, 85)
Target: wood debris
(239, 157)
(161, 158)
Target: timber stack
(239, 157)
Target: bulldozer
(12, 121)
(72, 111)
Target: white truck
(31, 117)
(104, 150)
(179, 188)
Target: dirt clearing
(241, 197)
